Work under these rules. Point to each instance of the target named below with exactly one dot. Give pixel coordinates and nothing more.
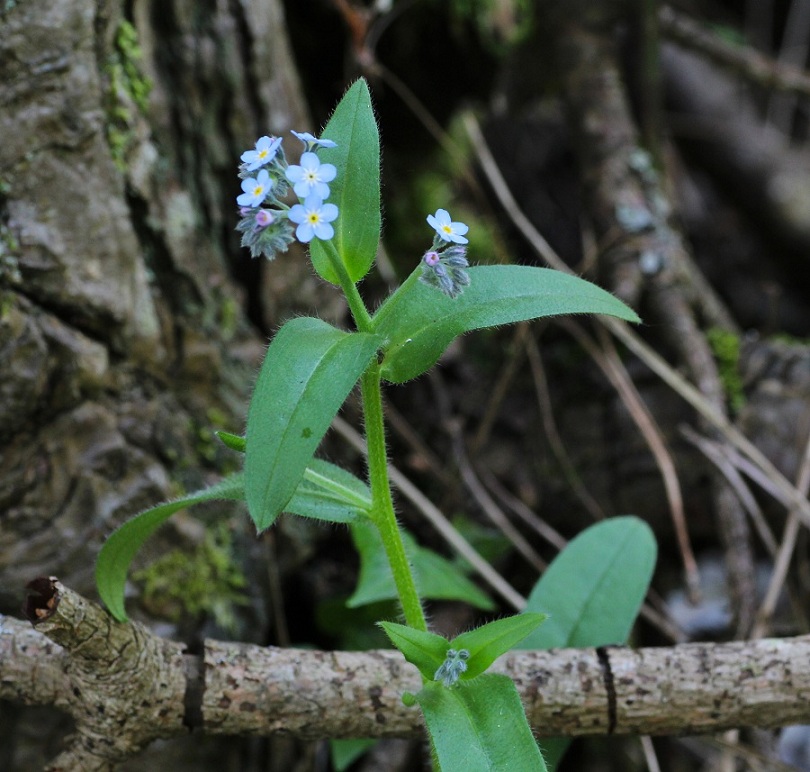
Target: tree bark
(123, 334)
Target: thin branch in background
(742, 60)
(435, 517)
(488, 506)
(785, 554)
(607, 359)
(431, 463)
(758, 24)
(507, 373)
(778, 484)
(552, 434)
(614, 372)
(622, 331)
(275, 590)
(649, 753)
(793, 51)
(536, 523)
(745, 753)
(715, 452)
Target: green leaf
(594, 588)
(123, 544)
(327, 492)
(345, 752)
(488, 642)
(356, 188)
(436, 577)
(418, 322)
(592, 592)
(232, 441)
(480, 726)
(308, 371)
(425, 650)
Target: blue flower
(311, 176)
(256, 189)
(311, 141)
(313, 218)
(266, 149)
(447, 230)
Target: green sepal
(356, 188)
(232, 441)
(490, 641)
(308, 371)
(427, 651)
(123, 544)
(479, 726)
(418, 322)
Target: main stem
(382, 505)
(360, 313)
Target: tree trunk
(122, 330)
(124, 334)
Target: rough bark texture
(122, 333)
(124, 338)
(124, 686)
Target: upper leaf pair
(476, 719)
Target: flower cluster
(444, 263)
(454, 665)
(266, 222)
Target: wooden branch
(125, 686)
(740, 59)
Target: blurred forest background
(659, 150)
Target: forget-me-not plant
(310, 368)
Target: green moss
(501, 23)
(726, 349)
(9, 245)
(205, 581)
(228, 317)
(127, 92)
(787, 338)
(6, 304)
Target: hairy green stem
(360, 313)
(382, 511)
(382, 507)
